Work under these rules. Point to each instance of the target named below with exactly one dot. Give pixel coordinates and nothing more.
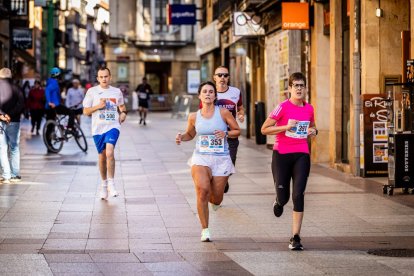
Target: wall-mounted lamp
(96, 10)
(379, 12)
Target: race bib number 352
(299, 131)
(210, 143)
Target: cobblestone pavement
(53, 223)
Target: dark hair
(296, 77)
(104, 68)
(208, 83)
(37, 82)
(144, 79)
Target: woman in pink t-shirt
(292, 121)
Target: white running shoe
(111, 188)
(205, 235)
(215, 207)
(104, 191)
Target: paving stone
(107, 246)
(74, 268)
(158, 257)
(68, 258)
(114, 258)
(64, 245)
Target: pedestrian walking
(106, 105)
(292, 121)
(74, 98)
(144, 90)
(229, 97)
(211, 164)
(35, 105)
(11, 109)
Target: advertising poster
(193, 81)
(380, 153)
(375, 135)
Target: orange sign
(295, 16)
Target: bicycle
(59, 134)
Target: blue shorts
(108, 137)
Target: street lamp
(96, 10)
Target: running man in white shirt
(106, 105)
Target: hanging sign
(295, 16)
(181, 14)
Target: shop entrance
(157, 74)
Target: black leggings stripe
(295, 166)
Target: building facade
(141, 45)
(352, 48)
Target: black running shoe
(295, 243)
(226, 189)
(277, 209)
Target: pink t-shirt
(282, 113)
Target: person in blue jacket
(54, 104)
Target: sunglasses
(220, 75)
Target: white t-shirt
(107, 118)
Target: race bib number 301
(299, 131)
(210, 143)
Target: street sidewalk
(53, 223)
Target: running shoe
(16, 178)
(6, 181)
(226, 189)
(295, 243)
(140, 121)
(111, 188)
(277, 209)
(215, 207)
(104, 191)
(205, 235)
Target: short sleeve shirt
(107, 118)
(281, 114)
(231, 100)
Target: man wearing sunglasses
(229, 97)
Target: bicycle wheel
(80, 138)
(53, 136)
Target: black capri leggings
(295, 166)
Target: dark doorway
(158, 74)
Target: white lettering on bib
(299, 131)
(210, 143)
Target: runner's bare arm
(234, 131)
(89, 110)
(190, 133)
(240, 113)
(269, 127)
(122, 113)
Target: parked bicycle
(59, 133)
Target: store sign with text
(295, 16)
(181, 14)
(22, 38)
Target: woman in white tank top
(211, 164)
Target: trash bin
(259, 118)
